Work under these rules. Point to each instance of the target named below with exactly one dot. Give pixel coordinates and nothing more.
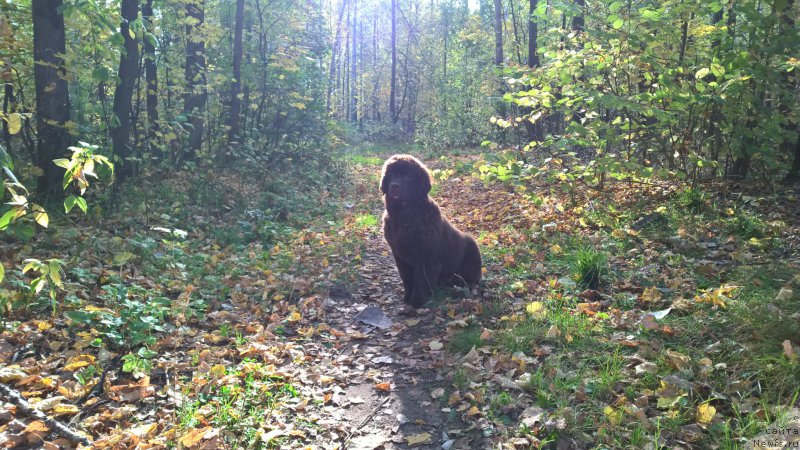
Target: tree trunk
(52, 95)
(194, 101)
(8, 108)
(150, 73)
(393, 82)
(337, 45)
(788, 24)
(498, 33)
(533, 34)
(120, 134)
(578, 21)
(235, 108)
(516, 32)
(354, 66)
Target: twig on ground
(25, 408)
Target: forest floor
(244, 313)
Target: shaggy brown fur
(427, 248)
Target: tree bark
(8, 108)
(498, 33)
(578, 22)
(52, 91)
(354, 66)
(516, 32)
(128, 65)
(195, 97)
(337, 45)
(235, 108)
(533, 35)
(150, 73)
(393, 82)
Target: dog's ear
(385, 176)
(424, 180)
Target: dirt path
(398, 359)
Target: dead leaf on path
(651, 295)
(435, 345)
(193, 437)
(384, 387)
(132, 392)
(411, 322)
(437, 393)
(649, 322)
(79, 362)
(11, 374)
(423, 438)
(64, 409)
(677, 360)
(36, 431)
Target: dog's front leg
(425, 277)
(407, 276)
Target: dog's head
(404, 178)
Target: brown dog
(427, 248)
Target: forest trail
(396, 396)
(393, 402)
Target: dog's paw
(408, 310)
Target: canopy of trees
(706, 88)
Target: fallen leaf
(677, 360)
(435, 345)
(788, 350)
(613, 415)
(423, 438)
(536, 309)
(411, 322)
(705, 412)
(193, 437)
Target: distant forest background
(690, 88)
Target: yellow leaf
(43, 325)
(79, 362)
(536, 309)
(556, 249)
(14, 123)
(40, 215)
(325, 379)
(193, 437)
(619, 234)
(411, 322)
(64, 409)
(705, 412)
(651, 295)
(422, 438)
(435, 345)
(294, 317)
(217, 371)
(474, 411)
(614, 416)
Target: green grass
(465, 339)
(366, 221)
(590, 267)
